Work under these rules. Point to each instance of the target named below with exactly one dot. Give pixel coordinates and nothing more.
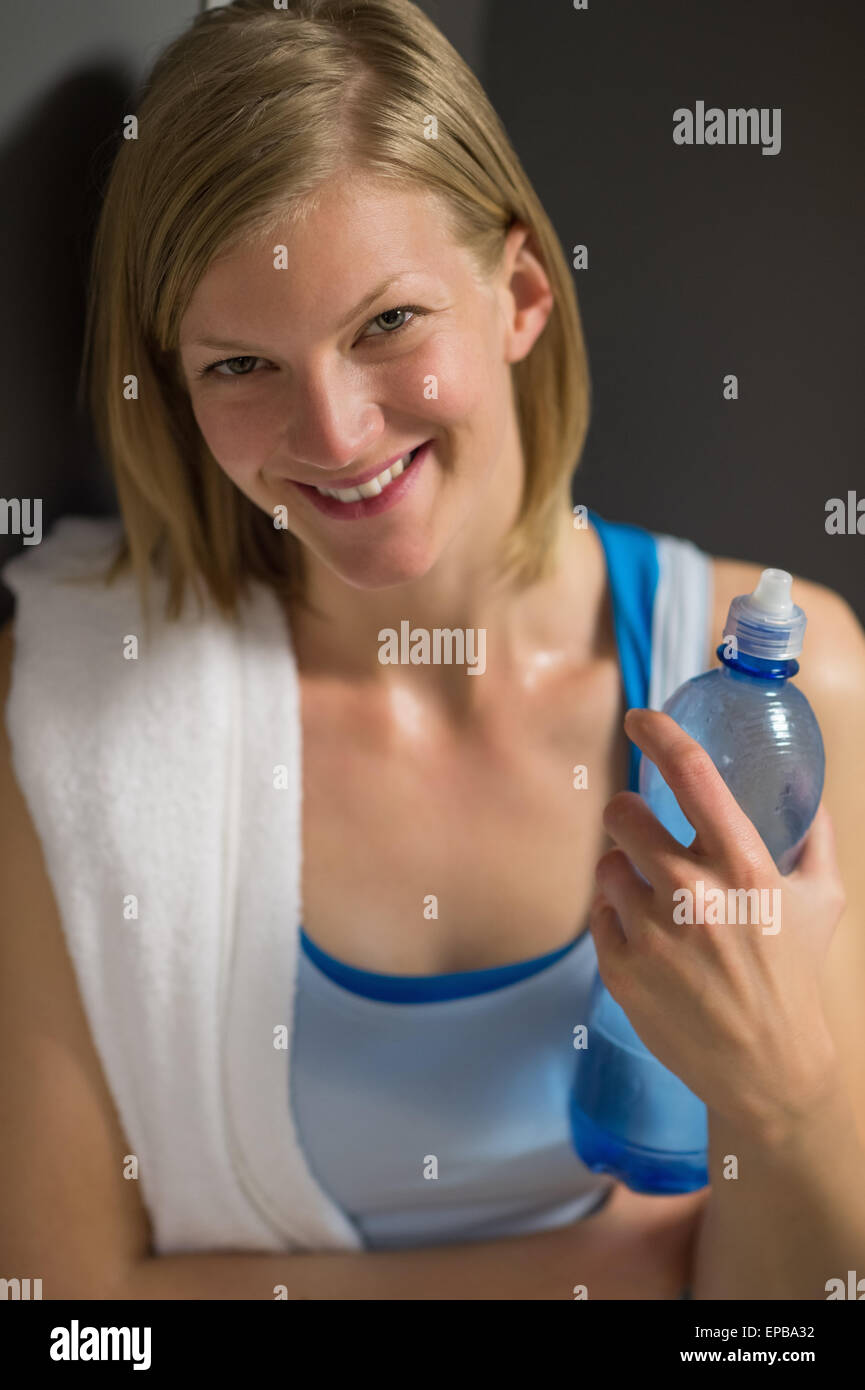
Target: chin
(385, 572)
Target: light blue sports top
(435, 1108)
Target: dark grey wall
(702, 261)
(706, 261)
(68, 67)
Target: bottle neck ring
(758, 666)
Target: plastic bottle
(630, 1116)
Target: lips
(367, 477)
(367, 507)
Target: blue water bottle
(630, 1116)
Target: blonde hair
(242, 118)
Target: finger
(703, 795)
(647, 843)
(630, 896)
(610, 941)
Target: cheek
(239, 433)
(460, 371)
(452, 381)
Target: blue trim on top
(632, 571)
(427, 989)
(770, 670)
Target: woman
(332, 918)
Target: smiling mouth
(375, 485)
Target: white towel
(176, 778)
(154, 777)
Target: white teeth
(370, 489)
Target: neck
(523, 633)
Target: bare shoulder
(833, 660)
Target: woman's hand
(733, 1009)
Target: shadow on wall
(52, 169)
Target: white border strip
(681, 616)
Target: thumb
(818, 875)
(818, 857)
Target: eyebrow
(368, 299)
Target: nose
(331, 419)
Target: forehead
(354, 232)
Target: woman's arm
(792, 1216)
(769, 1030)
(636, 1248)
(795, 1216)
(67, 1215)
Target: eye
(389, 330)
(224, 362)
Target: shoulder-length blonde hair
(241, 119)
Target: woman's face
(378, 337)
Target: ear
(525, 295)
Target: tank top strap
(660, 588)
(632, 573)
